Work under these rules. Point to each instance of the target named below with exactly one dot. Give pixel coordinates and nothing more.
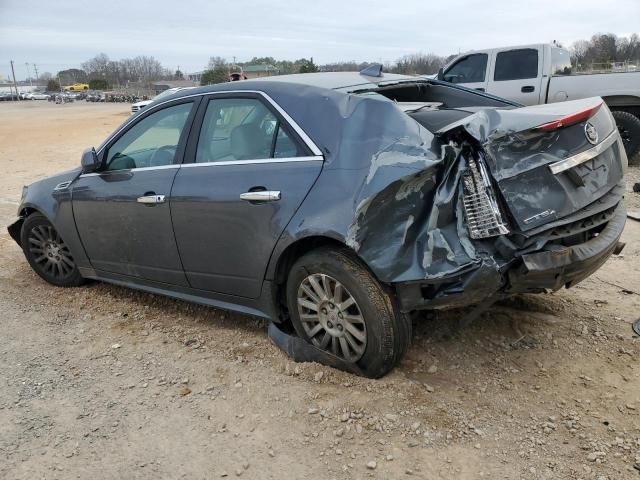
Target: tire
(373, 330)
(47, 253)
(629, 128)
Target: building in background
(257, 71)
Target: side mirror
(89, 160)
(440, 74)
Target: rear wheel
(629, 129)
(337, 305)
(47, 253)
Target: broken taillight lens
(481, 209)
(569, 119)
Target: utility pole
(14, 80)
(35, 67)
(29, 73)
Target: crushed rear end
(541, 196)
(523, 200)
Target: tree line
(605, 48)
(100, 72)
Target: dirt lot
(104, 382)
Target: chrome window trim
(585, 156)
(141, 169)
(256, 161)
(317, 158)
(301, 133)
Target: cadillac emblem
(591, 133)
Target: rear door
(469, 71)
(516, 75)
(249, 167)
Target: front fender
(52, 198)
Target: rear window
(560, 62)
(516, 65)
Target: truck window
(560, 62)
(472, 68)
(516, 65)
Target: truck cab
(542, 73)
(518, 73)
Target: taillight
(570, 119)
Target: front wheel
(47, 253)
(337, 305)
(629, 129)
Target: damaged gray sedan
(335, 204)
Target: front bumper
(548, 269)
(15, 228)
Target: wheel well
(290, 255)
(626, 103)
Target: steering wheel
(162, 156)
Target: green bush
(53, 86)
(98, 84)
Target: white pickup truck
(535, 74)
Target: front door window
(152, 142)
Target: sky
(59, 35)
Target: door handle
(151, 199)
(480, 89)
(261, 196)
(528, 89)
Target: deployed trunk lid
(548, 161)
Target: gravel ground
(103, 382)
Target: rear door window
(236, 129)
(471, 69)
(516, 64)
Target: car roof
(337, 80)
(345, 81)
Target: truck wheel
(629, 128)
(337, 305)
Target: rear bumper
(548, 269)
(553, 269)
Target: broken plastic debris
(636, 327)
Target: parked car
(136, 107)
(76, 87)
(336, 203)
(38, 96)
(538, 74)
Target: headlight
(24, 193)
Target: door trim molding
(252, 162)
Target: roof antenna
(374, 70)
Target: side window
(152, 142)
(242, 129)
(560, 62)
(285, 147)
(516, 65)
(468, 70)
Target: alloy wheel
(49, 252)
(331, 317)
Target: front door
(248, 173)
(470, 71)
(122, 212)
